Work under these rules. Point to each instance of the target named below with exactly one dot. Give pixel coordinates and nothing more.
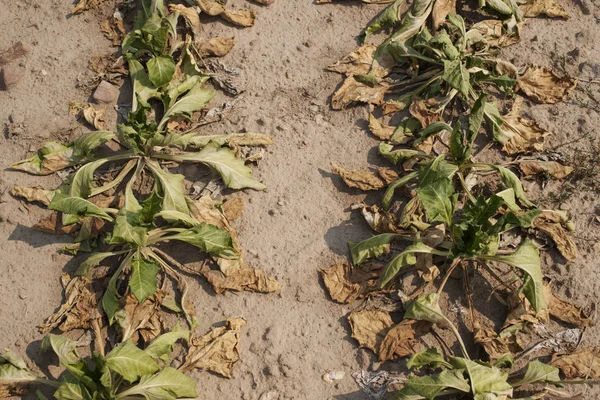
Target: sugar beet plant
(443, 82)
(123, 203)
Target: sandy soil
(302, 222)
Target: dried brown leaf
(377, 128)
(114, 30)
(346, 283)
(440, 11)
(16, 51)
(495, 345)
(401, 340)
(94, 117)
(542, 85)
(495, 33)
(363, 180)
(217, 351)
(527, 135)
(549, 8)
(388, 174)
(53, 225)
(370, 327)
(237, 17)
(241, 278)
(584, 363)
(84, 5)
(192, 19)
(233, 208)
(353, 91)
(249, 139)
(556, 225)
(533, 168)
(357, 62)
(424, 111)
(564, 311)
(379, 220)
(218, 47)
(32, 194)
(140, 318)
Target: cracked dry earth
(302, 222)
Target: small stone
(106, 93)
(10, 75)
(32, 148)
(44, 72)
(309, 43)
(271, 212)
(314, 109)
(272, 395)
(332, 376)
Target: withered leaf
(192, 19)
(440, 11)
(401, 340)
(346, 284)
(233, 208)
(556, 225)
(527, 135)
(249, 279)
(363, 180)
(495, 33)
(32, 194)
(80, 309)
(84, 5)
(377, 128)
(388, 175)
(564, 311)
(370, 327)
(549, 8)
(237, 17)
(495, 345)
(217, 351)
(140, 318)
(353, 91)
(218, 47)
(357, 62)
(584, 363)
(94, 117)
(113, 29)
(424, 111)
(53, 225)
(533, 168)
(542, 85)
(379, 220)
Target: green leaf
(495, 123)
(426, 308)
(10, 357)
(77, 206)
(143, 281)
(171, 187)
(209, 238)
(233, 171)
(130, 362)
(538, 372)
(527, 259)
(407, 257)
(484, 379)
(143, 87)
(461, 145)
(388, 196)
(512, 181)
(437, 168)
(161, 70)
(457, 76)
(126, 232)
(110, 300)
(430, 386)
(83, 180)
(507, 361)
(427, 358)
(150, 208)
(438, 200)
(72, 389)
(196, 99)
(168, 384)
(388, 18)
(11, 375)
(395, 156)
(62, 346)
(373, 247)
(162, 346)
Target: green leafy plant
(126, 372)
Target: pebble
(272, 395)
(106, 93)
(10, 75)
(332, 376)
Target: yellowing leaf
(363, 180)
(542, 85)
(346, 284)
(379, 220)
(556, 225)
(377, 128)
(549, 8)
(237, 17)
(249, 279)
(192, 19)
(356, 63)
(353, 91)
(440, 11)
(218, 47)
(401, 341)
(370, 327)
(584, 363)
(217, 351)
(564, 311)
(533, 167)
(32, 194)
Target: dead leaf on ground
(109, 68)
(584, 363)
(353, 91)
(388, 174)
(526, 135)
(379, 220)
(248, 279)
(495, 345)
(217, 351)
(356, 63)
(542, 85)
(556, 225)
(440, 11)
(370, 327)
(495, 33)
(80, 309)
(237, 17)
(53, 225)
(94, 117)
(549, 8)
(233, 208)
(32, 194)
(424, 111)
(382, 131)
(363, 180)
(192, 19)
(564, 311)
(16, 51)
(531, 168)
(114, 30)
(346, 283)
(84, 5)
(140, 319)
(401, 340)
(217, 47)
